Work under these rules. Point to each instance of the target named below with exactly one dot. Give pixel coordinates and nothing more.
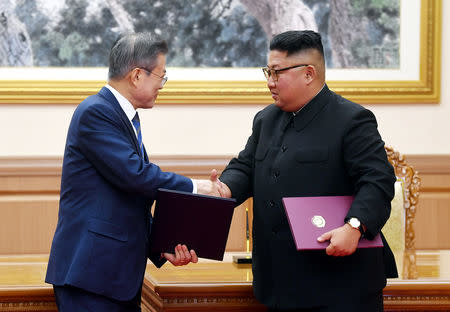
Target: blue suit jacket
(107, 189)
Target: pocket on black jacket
(261, 152)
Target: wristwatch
(356, 224)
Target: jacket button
(271, 203)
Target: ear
(134, 76)
(310, 74)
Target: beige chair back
(399, 230)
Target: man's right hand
(206, 187)
(213, 186)
(209, 187)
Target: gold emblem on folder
(318, 221)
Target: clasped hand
(213, 186)
(343, 241)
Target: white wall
(40, 130)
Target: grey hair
(134, 50)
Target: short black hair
(135, 50)
(294, 41)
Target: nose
(270, 82)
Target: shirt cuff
(194, 186)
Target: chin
(279, 104)
(150, 104)
(284, 107)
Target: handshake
(213, 186)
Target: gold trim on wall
(424, 90)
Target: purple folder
(310, 217)
(198, 221)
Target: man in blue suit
(100, 248)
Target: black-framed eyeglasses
(163, 78)
(270, 72)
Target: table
(22, 286)
(215, 286)
(225, 286)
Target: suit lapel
(107, 94)
(145, 154)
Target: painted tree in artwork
(199, 32)
(15, 43)
(37, 25)
(77, 38)
(356, 33)
(202, 32)
(276, 16)
(223, 33)
(341, 30)
(375, 43)
(121, 16)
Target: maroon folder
(310, 217)
(198, 221)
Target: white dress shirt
(129, 110)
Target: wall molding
(430, 164)
(29, 193)
(188, 164)
(17, 172)
(30, 166)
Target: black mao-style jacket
(331, 147)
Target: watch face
(354, 223)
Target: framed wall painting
(416, 81)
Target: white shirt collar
(127, 107)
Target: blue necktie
(137, 125)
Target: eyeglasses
(270, 72)
(163, 78)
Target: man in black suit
(312, 142)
